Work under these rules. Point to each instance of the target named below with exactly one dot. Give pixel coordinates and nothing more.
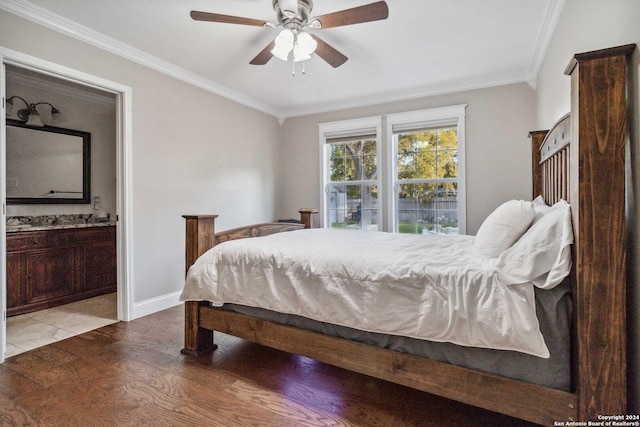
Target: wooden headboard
(593, 137)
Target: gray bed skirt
(553, 308)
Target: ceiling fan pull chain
(293, 68)
(304, 63)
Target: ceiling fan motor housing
(294, 22)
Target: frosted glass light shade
(34, 119)
(283, 45)
(304, 46)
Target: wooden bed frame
(581, 160)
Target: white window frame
(344, 128)
(434, 117)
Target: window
(427, 151)
(351, 178)
(411, 181)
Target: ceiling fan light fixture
(283, 44)
(303, 47)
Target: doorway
(55, 199)
(111, 102)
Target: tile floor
(32, 330)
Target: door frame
(124, 171)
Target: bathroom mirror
(47, 165)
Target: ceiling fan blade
(329, 53)
(367, 13)
(225, 19)
(264, 56)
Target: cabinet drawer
(26, 241)
(79, 236)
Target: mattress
(431, 288)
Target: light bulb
(283, 44)
(304, 46)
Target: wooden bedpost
(536, 172)
(200, 237)
(598, 138)
(307, 217)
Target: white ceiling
(425, 47)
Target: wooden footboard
(592, 176)
(200, 236)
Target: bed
(581, 160)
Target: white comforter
(425, 287)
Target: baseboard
(153, 305)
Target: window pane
(425, 141)
(447, 208)
(426, 163)
(336, 150)
(406, 166)
(369, 147)
(370, 167)
(415, 207)
(447, 153)
(427, 208)
(337, 162)
(447, 163)
(353, 161)
(353, 207)
(337, 206)
(407, 222)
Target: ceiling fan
(294, 17)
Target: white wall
(193, 152)
(587, 25)
(498, 151)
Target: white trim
(3, 215)
(70, 28)
(399, 96)
(124, 201)
(457, 112)
(365, 124)
(549, 24)
(154, 305)
(124, 157)
(428, 115)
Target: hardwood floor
(128, 374)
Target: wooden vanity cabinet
(53, 267)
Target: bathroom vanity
(55, 263)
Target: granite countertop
(55, 222)
(17, 228)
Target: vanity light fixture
(30, 114)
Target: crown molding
(545, 33)
(405, 95)
(43, 17)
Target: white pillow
(543, 254)
(540, 206)
(503, 227)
